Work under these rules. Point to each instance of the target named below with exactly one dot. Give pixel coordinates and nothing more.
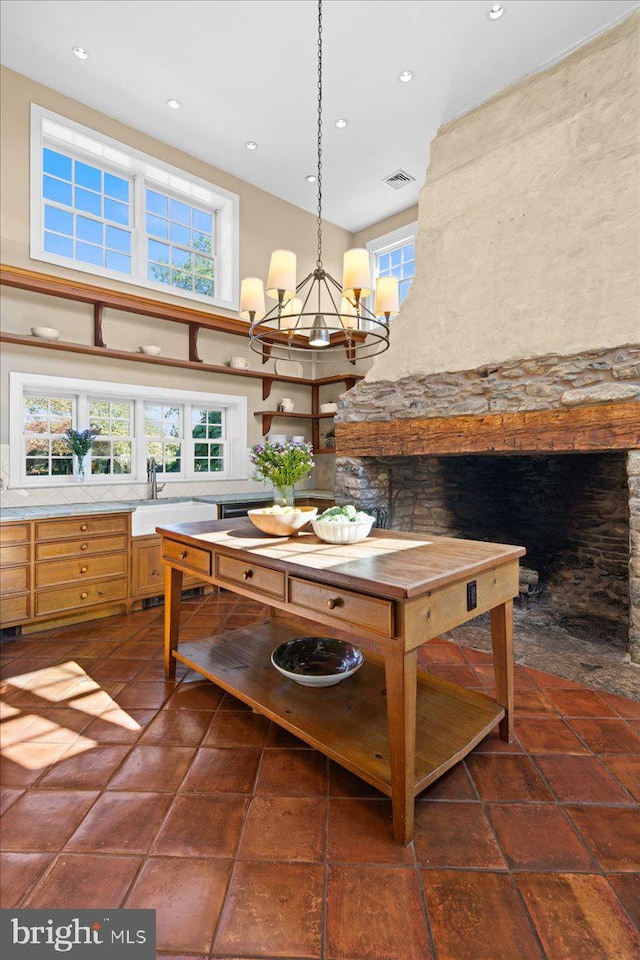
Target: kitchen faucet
(151, 478)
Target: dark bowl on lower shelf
(317, 661)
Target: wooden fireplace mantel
(596, 427)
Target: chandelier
(319, 314)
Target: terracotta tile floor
(119, 789)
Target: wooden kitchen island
(390, 724)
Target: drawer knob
(84, 546)
(183, 554)
(247, 574)
(334, 602)
(83, 596)
(83, 569)
(155, 573)
(84, 527)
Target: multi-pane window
(163, 434)
(180, 244)
(401, 263)
(46, 452)
(87, 212)
(111, 453)
(207, 431)
(105, 208)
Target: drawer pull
(84, 546)
(83, 596)
(155, 573)
(334, 602)
(183, 554)
(83, 569)
(84, 527)
(247, 574)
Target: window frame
(387, 243)
(234, 409)
(90, 146)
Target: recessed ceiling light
(174, 104)
(495, 12)
(406, 76)
(342, 123)
(251, 145)
(311, 178)
(80, 53)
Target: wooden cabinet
(15, 572)
(147, 569)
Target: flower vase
(81, 469)
(284, 496)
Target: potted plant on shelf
(80, 443)
(282, 465)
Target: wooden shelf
(268, 415)
(347, 722)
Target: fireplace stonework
(578, 513)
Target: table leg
(502, 641)
(401, 679)
(172, 600)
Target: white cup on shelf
(238, 363)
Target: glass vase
(81, 469)
(284, 496)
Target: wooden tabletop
(388, 562)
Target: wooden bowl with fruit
(280, 521)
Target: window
(393, 255)
(104, 208)
(192, 436)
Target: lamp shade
(348, 314)
(387, 296)
(290, 313)
(282, 274)
(356, 273)
(252, 298)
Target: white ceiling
(246, 70)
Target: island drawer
(254, 577)
(182, 555)
(345, 606)
(87, 568)
(81, 595)
(81, 527)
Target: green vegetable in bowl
(346, 514)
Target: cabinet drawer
(185, 556)
(82, 595)
(14, 580)
(82, 547)
(13, 532)
(15, 609)
(88, 526)
(87, 568)
(345, 606)
(18, 554)
(250, 575)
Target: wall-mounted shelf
(268, 415)
(100, 298)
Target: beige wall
(529, 221)
(388, 225)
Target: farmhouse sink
(147, 517)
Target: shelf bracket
(194, 330)
(266, 423)
(350, 382)
(267, 383)
(350, 351)
(98, 339)
(266, 352)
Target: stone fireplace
(556, 470)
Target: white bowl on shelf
(342, 531)
(45, 333)
(151, 350)
(328, 407)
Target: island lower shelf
(346, 722)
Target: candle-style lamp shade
(281, 282)
(252, 299)
(356, 274)
(387, 297)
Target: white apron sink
(148, 516)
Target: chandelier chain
(319, 260)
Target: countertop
(128, 506)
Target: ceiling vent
(399, 179)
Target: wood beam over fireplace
(601, 427)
